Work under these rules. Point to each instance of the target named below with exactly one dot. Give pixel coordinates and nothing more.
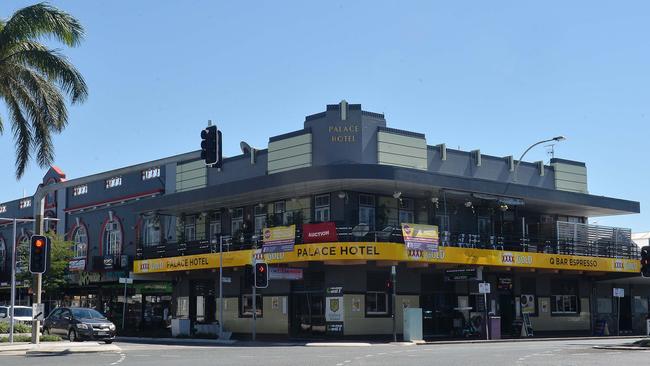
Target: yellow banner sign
(420, 237)
(344, 251)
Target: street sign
(226, 279)
(619, 292)
(484, 287)
(38, 311)
(126, 280)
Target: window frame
(76, 249)
(376, 312)
(245, 312)
(112, 240)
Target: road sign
(38, 311)
(126, 280)
(226, 279)
(484, 287)
(619, 292)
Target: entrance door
(307, 314)
(626, 314)
(507, 313)
(437, 315)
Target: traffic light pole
(254, 310)
(13, 286)
(38, 278)
(220, 286)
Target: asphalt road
(511, 353)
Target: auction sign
(279, 239)
(420, 237)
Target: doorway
(437, 314)
(307, 314)
(507, 312)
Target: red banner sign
(319, 233)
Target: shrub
(18, 328)
(50, 338)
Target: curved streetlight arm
(559, 138)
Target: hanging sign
(324, 232)
(279, 239)
(420, 237)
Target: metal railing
(587, 240)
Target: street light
(556, 138)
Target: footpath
(55, 348)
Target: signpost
(618, 293)
(484, 288)
(38, 312)
(126, 281)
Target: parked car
(22, 314)
(79, 324)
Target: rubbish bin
(495, 327)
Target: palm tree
(34, 79)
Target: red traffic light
(261, 268)
(39, 243)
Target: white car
(22, 314)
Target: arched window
(22, 254)
(3, 255)
(80, 239)
(112, 238)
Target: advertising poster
(527, 303)
(279, 239)
(334, 315)
(324, 232)
(420, 237)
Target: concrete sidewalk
(531, 339)
(188, 341)
(64, 347)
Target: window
(189, 229)
(279, 213)
(151, 173)
(22, 252)
(3, 254)
(564, 298)
(367, 210)
(79, 190)
(484, 225)
(237, 220)
(25, 203)
(376, 303)
(322, 208)
(3, 208)
(151, 231)
(80, 239)
(247, 305)
(564, 304)
(443, 222)
(377, 289)
(260, 218)
(406, 211)
(113, 182)
(215, 226)
(112, 238)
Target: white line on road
(122, 357)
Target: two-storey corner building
(343, 185)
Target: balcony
(564, 238)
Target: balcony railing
(586, 240)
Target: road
(511, 353)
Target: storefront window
(565, 298)
(322, 208)
(376, 303)
(247, 305)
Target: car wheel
(72, 335)
(108, 342)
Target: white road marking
(122, 357)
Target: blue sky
(495, 75)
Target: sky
(490, 75)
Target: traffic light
(38, 253)
(645, 261)
(261, 275)
(211, 145)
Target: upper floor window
(406, 211)
(79, 190)
(260, 218)
(112, 238)
(322, 208)
(113, 182)
(189, 228)
(151, 231)
(151, 173)
(80, 239)
(215, 226)
(367, 210)
(237, 220)
(25, 203)
(3, 255)
(3, 208)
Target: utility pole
(13, 285)
(393, 274)
(38, 277)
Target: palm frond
(22, 136)
(42, 21)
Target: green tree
(34, 79)
(60, 256)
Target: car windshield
(87, 314)
(26, 312)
